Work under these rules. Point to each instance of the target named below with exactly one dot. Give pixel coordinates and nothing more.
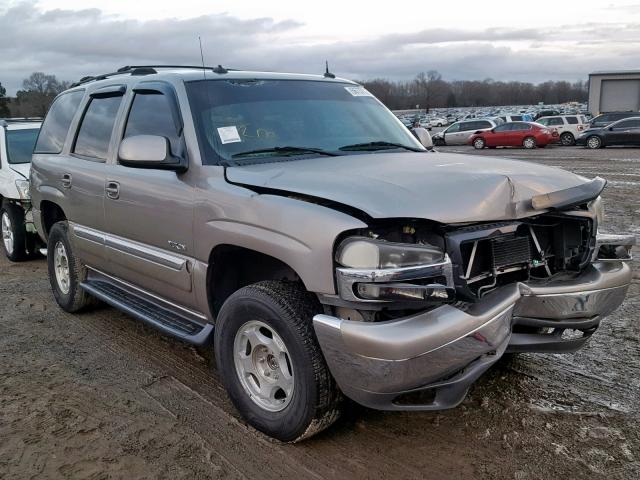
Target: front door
(150, 212)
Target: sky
(532, 41)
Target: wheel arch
(50, 213)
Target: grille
(510, 251)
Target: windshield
(240, 121)
(20, 145)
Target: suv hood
(443, 187)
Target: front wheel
(529, 142)
(479, 143)
(567, 139)
(270, 362)
(594, 142)
(14, 234)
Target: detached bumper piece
(428, 361)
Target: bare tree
(4, 109)
(38, 91)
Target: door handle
(66, 180)
(113, 190)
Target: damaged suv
(292, 224)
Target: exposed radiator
(510, 251)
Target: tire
(529, 143)
(14, 234)
(438, 142)
(593, 142)
(283, 310)
(68, 294)
(479, 143)
(440, 124)
(567, 139)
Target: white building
(614, 91)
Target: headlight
(23, 189)
(362, 252)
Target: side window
(151, 114)
(56, 125)
(520, 127)
(572, 120)
(466, 126)
(555, 122)
(481, 124)
(544, 121)
(96, 128)
(505, 127)
(453, 128)
(516, 118)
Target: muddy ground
(98, 395)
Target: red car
(515, 134)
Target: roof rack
(147, 70)
(4, 122)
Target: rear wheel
(479, 143)
(529, 142)
(594, 142)
(567, 139)
(65, 271)
(14, 235)
(270, 362)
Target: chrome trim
(147, 253)
(147, 293)
(89, 234)
(347, 277)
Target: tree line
(34, 98)
(428, 90)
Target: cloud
(75, 43)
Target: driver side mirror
(610, 129)
(423, 136)
(149, 151)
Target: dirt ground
(98, 395)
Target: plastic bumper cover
(443, 351)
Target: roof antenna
(327, 73)
(204, 70)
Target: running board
(168, 320)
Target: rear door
(150, 211)
(519, 131)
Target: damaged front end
(423, 309)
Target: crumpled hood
(443, 187)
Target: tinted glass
(20, 144)
(481, 124)
(151, 115)
(520, 126)
(503, 128)
(628, 124)
(235, 118)
(96, 127)
(572, 120)
(554, 122)
(56, 125)
(516, 117)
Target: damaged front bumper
(428, 361)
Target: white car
(438, 122)
(460, 132)
(17, 139)
(569, 127)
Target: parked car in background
(622, 132)
(514, 134)
(17, 139)
(605, 119)
(459, 132)
(546, 113)
(438, 122)
(524, 117)
(569, 127)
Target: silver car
(292, 224)
(460, 132)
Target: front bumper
(439, 353)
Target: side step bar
(169, 321)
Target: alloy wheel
(7, 233)
(61, 266)
(263, 365)
(593, 142)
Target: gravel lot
(99, 395)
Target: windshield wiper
(380, 145)
(284, 151)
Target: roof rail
(147, 70)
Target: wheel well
(51, 214)
(232, 267)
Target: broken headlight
(368, 253)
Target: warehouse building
(614, 91)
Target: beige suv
(293, 225)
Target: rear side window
(554, 122)
(505, 127)
(572, 120)
(56, 126)
(151, 114)
(481, 124)
(520, 126)
(95, 130)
